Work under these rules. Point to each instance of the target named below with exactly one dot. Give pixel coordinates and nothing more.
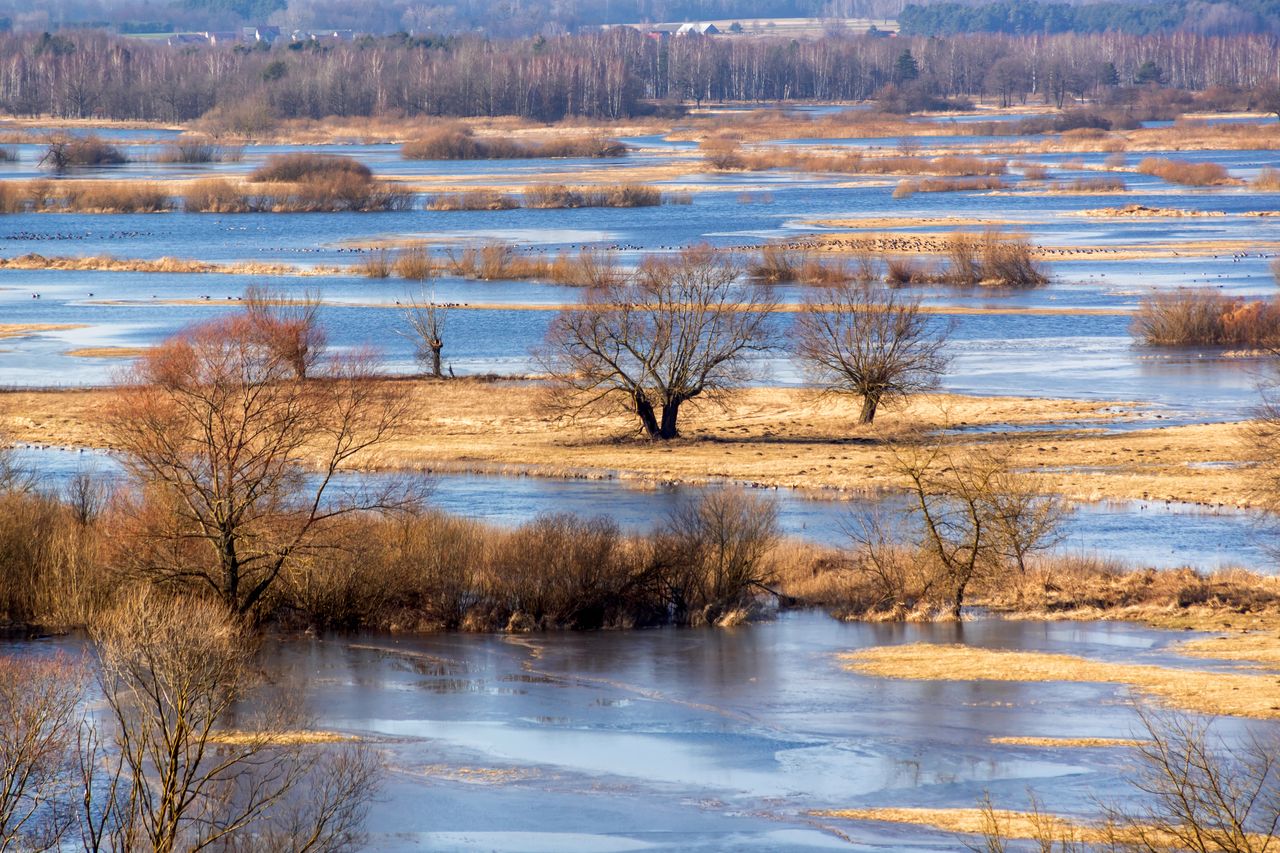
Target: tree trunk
(669, 414)
(870, 402)
(435, 361)
(645, 410)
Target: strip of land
(784, 437)
(1200, 691)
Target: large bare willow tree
(677, 329)
(860, 338)
(238, 459)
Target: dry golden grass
(1229, 693)
(107, 263)
(107, 352)
(284, 738)
(1012, 824)
(1261, 648)
(771, 436)
(22, 330)
(1041, 827)
(1067, 742)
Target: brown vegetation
(66, 152)
(1206, 318)
(1186, 173)
(1090, 185)
(231, 520)
(905, 189)
(84, 197)
(458, 142)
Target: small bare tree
(236, 457)
(39, 717)
(289, 325)
(860, 338)
(172, 670)
(426, 319)
(676, 330)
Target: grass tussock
(458, 142)
(215, 195)
(992, 258)
(1207, 318)
(781, 264)
(413, 263)
(377, 263)
(1186, 173)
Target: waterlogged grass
(1234, 694)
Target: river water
(679, 739)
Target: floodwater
(723, 740)
(1156, 534)
(692, 739)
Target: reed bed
(458, 142)
(473, 200)
(1186, 173)
(725, 155)
(195, 150)
(1198, 317)
(83, 197)
(339, 192)
(1268, 180)
(1090, 185)
(906, 189)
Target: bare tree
(676, 330)
(172, 669)
(426, 319)
(39, 716)
(289, 325)
(859, 338)
(236, 458)
(1201, 793)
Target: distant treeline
(1138, 18)
(609, 74)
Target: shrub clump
(1198, 317)
(1185, 173)
(292, 168)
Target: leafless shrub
(473, 200)
(214, 195)
(414, 263)
(1188, 317)
(66, 152)
(288, 326)
(714, 552)
(292, 168)
(376, 263)
(457, 142)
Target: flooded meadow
(755, 736)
